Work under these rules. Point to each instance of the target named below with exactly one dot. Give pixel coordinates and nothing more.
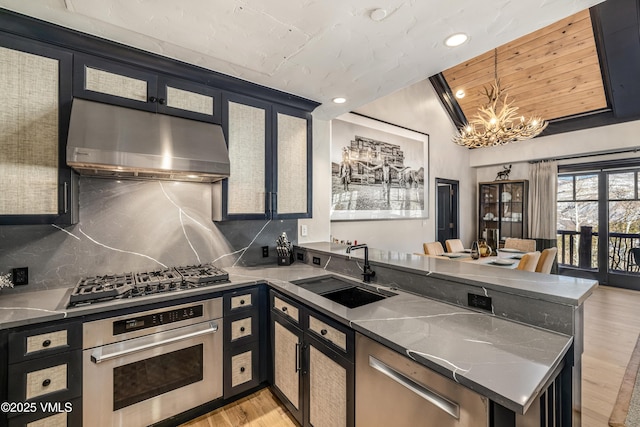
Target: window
(592, 204)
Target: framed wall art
(378, 170)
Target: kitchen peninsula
(512, 353)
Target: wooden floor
(261, 409)
(612, 325)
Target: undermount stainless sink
(348, 293)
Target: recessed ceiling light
(460, 94)
(378, 14)
(456, 39)
(339, 100)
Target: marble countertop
(549, 287)
(506, 361)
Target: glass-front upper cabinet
(503, 210)
(35, 82)
(111, 82)
(270, 155)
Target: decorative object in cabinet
(36, 185)
(243, 342)
(313, 371)
(111, 82)
(46, 366)
(502, 211)
(270, 155)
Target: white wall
(568, 148)
(418, 108)
(618, 137)
(319, 227)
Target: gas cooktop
(95, 289)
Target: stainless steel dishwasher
(393, 390)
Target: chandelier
(497, 123)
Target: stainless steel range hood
(110, 141)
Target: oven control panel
(131, 324)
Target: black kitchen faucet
(367, 272)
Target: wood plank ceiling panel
(553, 72)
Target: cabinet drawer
(33, 343)
(57, 420)
(286, 308)
(245, 299)
(329, 333)
(47, 379)
(242, 369)
(241, 328)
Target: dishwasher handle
(113, 351)
(421, 390)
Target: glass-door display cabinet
(502, 211)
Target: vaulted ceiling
(577, 73)
(551, 73)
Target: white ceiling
(317, 49)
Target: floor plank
(260, 409)
(612, 325)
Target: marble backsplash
(129, 226)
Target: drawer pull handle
(241, 302)
(242, 369)
(284, 309)
(46, 382)
(242, 329)
(448, 406)
(323, 332)
(46, 343)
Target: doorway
(599, 225)
(447, 211)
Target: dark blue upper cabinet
(111, 82)
(270, 155)
(36, 185)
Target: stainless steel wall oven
(144, 367)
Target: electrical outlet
(265, 251)
(300, 256)
(303, 230)
(479, 301)
(20, 276)
(316, 260)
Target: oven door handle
(113, 351)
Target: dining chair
(529, 261)
(633, 259)
(524, 245)
(547, 257)
(433, 248)
(454, 245)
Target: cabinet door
(513, 210)
(35, 82)
(287, 365)
(189, 100)
(292, 165)
(503, 210)
(106, 81)
(330, 398)
(247, 128)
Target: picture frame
(379, 171)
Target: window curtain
(543, 189)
